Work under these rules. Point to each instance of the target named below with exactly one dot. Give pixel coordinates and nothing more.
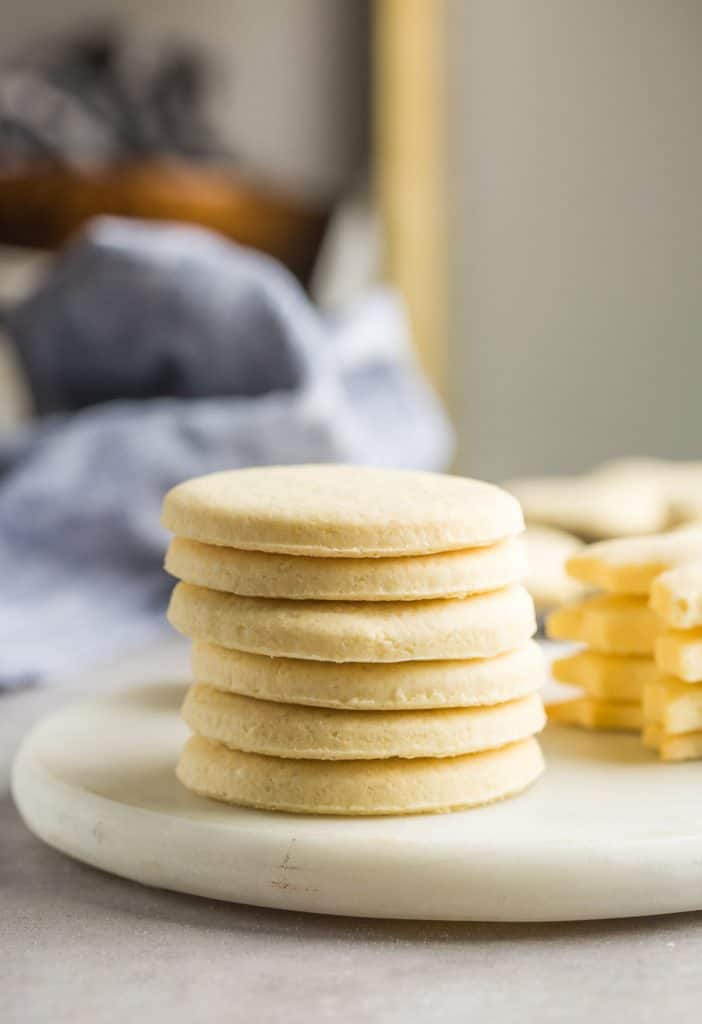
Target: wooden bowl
(43, 207)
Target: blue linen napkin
(156, 353)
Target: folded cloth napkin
(156, 353)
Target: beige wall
(576, 215)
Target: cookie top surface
(339, 510)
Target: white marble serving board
(607, 832)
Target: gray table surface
(80, 945)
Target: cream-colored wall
(291, 93)
(576, 218)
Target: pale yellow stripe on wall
(409, 164)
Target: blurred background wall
(539, 170)
(575, 219)
(291, 94)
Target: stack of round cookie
(362, 640)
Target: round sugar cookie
(547, 581)
(400, 685)
(340, 511)
(392, 786)
(285, 730)
(592, 507)
(262, 574)
(471, 627)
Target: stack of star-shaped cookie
(617, 625)
(362, 640)
(673, 702)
